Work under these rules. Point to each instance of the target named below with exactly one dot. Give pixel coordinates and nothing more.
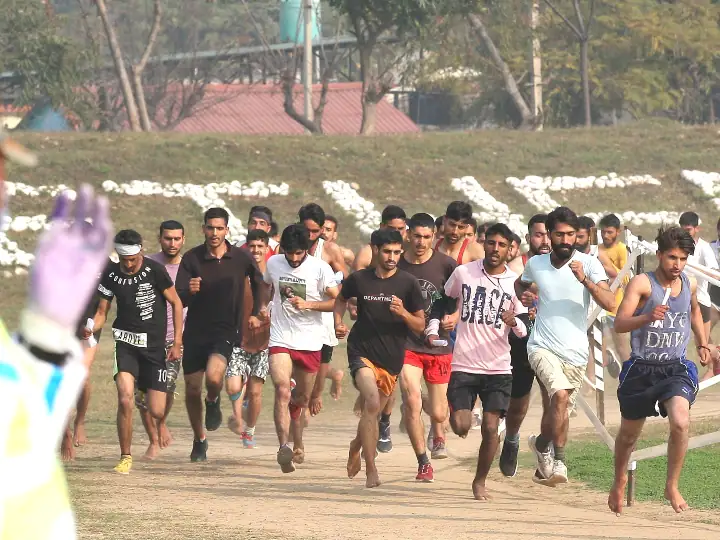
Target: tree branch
(579, 16)
(564, 18)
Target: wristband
(704, 347)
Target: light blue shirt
(561, 320)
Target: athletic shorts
(385, 381)
(522, 374)
(436, 367)
(244, 364)
(705, 310)
(196, 355)
(308, 361)
(173, 369)
(326, 354)
(714, 292)
(556, 374)
(147, 366)
(493, 390)
(646, 386)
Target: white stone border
(345, 195)
(492, 209)
(708, 182)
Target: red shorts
(436, 367)
(306, 360)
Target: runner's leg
(374, 402)
(624, 444)
(214, 375)
(79, 436)
(437, 399)
(281, 372)
(173, 371)
(299, 400)
(125, 384)
(678, 411)
(384, 444)
(486, 454)
(410, 386)
(156, 401)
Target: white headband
(124, 249)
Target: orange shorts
(385, 381)
(436, 367)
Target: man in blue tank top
(659, 310)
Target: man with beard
(296, 324)
(558, 348)
(481, 358)
(454, 242)
(390, 305)
(514, 261)
(423, 360)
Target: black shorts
(714, 292)
(645, 386)
(493, 390)
(705, 310)
(326, 354)
(195, 355)
(146, 365)
(523, 375)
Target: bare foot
(480, 491)
(67, 450)
(298, 455)
(315, 405)
(166, 438)
(358, 407)
(354, 464)
(79, 437)
(234, 425)
(676, 500)
(617, 495)
(336, 385)
(373, 479)
(152, 451)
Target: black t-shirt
(378, 335)
(141, 310)
(432, 276)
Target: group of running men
(445, 300)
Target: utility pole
(537, 91)
(308, 58)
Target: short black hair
(675, 237)
(562, 214)
(611, 220)
(516, 238)
(257, 234)
(500, 229)
(537, 218)
(328, 217)
(171, 225)
(382, 237)
(215, 213)
(128, 237)
(586, 223)
(273, 228)
(391, 212)
(459, 211)
(439, 222)
(312, 212)
(260, 210)
(473, 223)
(485, 226)
(421, 220)
(295, 237)
(689, 219)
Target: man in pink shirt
(481, 357)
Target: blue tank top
(668, 341)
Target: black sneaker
(509, 458)
(213, 414)
(384, 443)
(199, 451)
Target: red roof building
(257, 109)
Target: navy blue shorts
(646, 386)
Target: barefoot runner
(481, 357)
(659, 309)
(390, 305)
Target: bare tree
(137, 69)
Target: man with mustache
(558, 348)
(454, 242)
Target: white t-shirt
(331, 339)
(705, 256)
(561, 320)
(289, 327)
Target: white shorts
(556, 374)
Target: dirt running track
(242, 494)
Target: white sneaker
(545, 460)
(559, 474)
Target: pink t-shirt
(172, 269)
(482, 345)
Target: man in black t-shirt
(141, 287)
(390, 304)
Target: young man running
(454, 243)
(558, 348)
(249, 363)
(481, 357)
(390, 304)
(422, 359)
(330, 233)
(304, 287)
(260, 217)
(141, 287)
(514, 261)
(172, 240)
(211, 283)
(658, 310)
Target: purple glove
(69, 257)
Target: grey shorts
(246, 365)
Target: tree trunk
(137, 69)
(712, 107)
(510, 84)
(369, 116)
(369, 109)
(130, 105)
(585, 74)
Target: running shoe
(285, 459)
(199, 451)
(425, 473)
(248, 440)
(384, 443)
(124, 466)
(559, 474)
(545, 460)
(438, 449)
(509, 458)
(213, 414)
